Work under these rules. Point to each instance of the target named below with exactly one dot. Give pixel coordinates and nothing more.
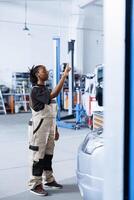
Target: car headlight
(91, 143)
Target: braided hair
(33, 71)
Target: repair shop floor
(14, 160)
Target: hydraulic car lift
(75, 116)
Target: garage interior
(53, 33)
(27, 31)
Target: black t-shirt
(40, 95)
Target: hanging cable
(25, 24)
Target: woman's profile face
(42, 73)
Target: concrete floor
(14, 160)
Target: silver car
(90, 166)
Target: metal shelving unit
(21, 89)
(2, 104)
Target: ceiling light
(25, 24)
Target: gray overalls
(41, 144)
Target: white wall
(93, 37)
(89, 36)
(19, 50)
(47, 19)
(93, 42)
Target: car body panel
(90, 169)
